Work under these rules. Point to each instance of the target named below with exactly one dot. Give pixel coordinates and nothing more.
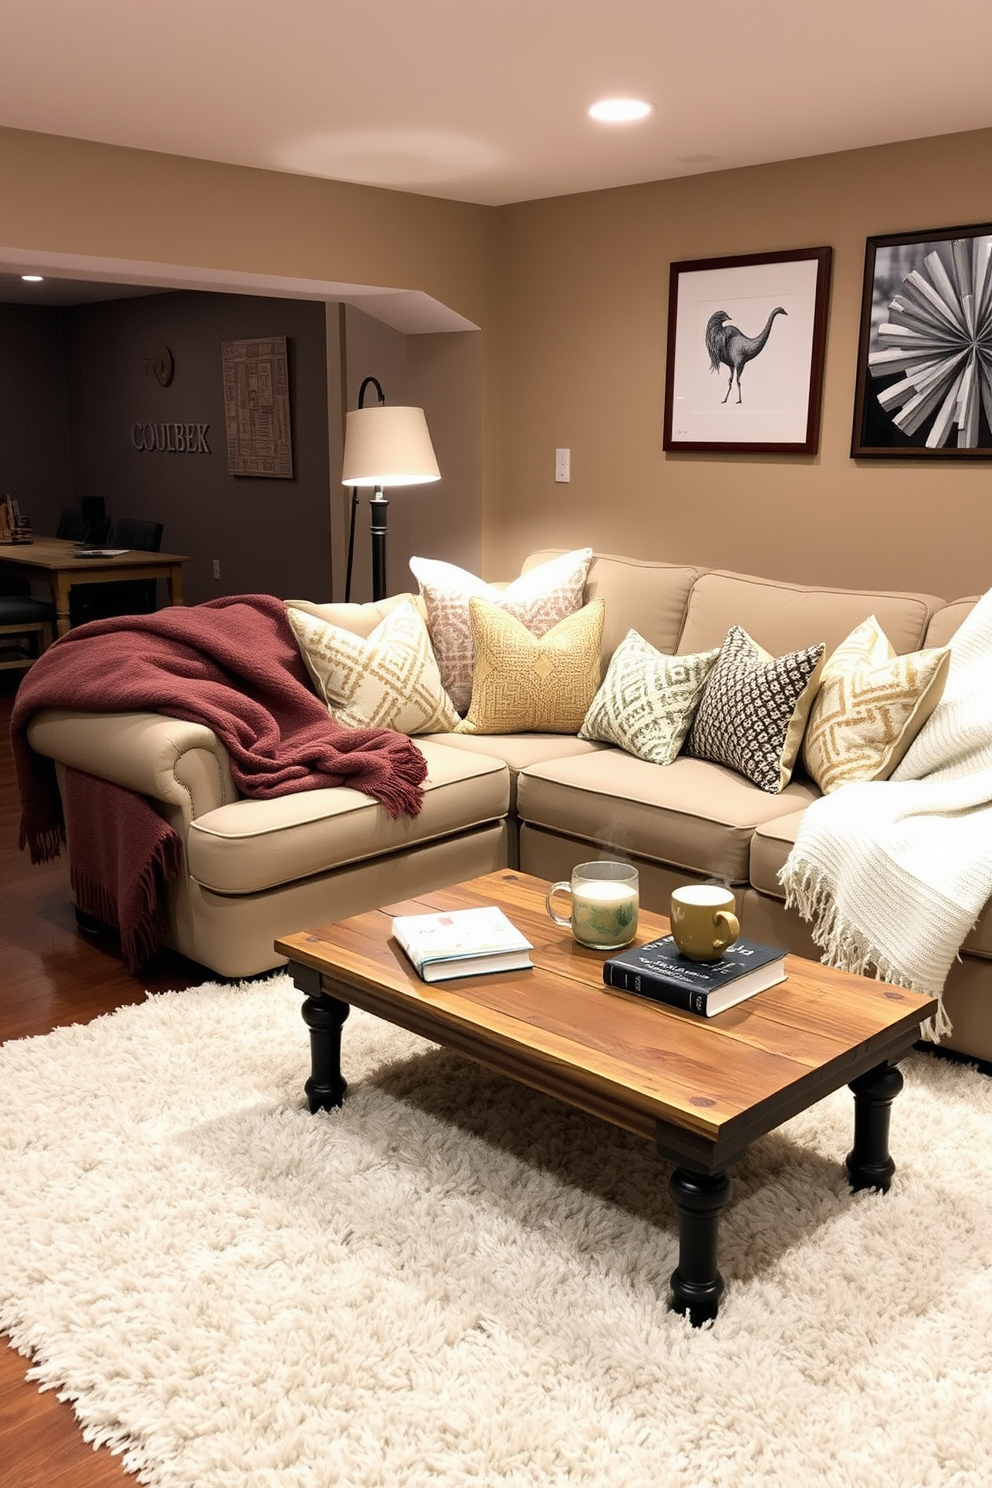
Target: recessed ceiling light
(619, 110)
(34, 278)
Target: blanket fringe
(45, 844)
(809, 893)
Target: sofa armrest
(182, 764)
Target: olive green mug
(704, 920)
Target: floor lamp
(383, 446)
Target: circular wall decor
(162, 365)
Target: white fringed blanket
(893, 874)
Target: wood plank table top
(711, 1084)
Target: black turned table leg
(697, 1285)
(324, 1016)
(868, 1163)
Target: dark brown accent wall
(268, 535)
(35, 463)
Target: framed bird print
(746, 339)
(924, 384)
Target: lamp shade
(387, 445)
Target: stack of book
(14, 527)
(659, 972)
(462, 942)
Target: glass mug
(704, 922)
(604, 899)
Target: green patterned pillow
(647, 700)
(754, 709)
(388, 679)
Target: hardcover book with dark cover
(659, 972)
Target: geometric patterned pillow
(754, 709)
(533, 684)
(647, 700)
(389, 680)
(539, 599)
(870, 707)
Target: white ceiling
(485, 100)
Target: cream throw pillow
(647, 700)
(754, 709)
(539, 598)
(388, 680)
(870, 707)
(533, 684)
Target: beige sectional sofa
(256, 869)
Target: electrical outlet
(563, 465)
(217, 568)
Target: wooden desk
(57, 560)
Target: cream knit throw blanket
(893, 874)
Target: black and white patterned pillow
(754, 709)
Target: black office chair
(137, 597)
(73, 525)
(131, 532)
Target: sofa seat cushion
(774, 840)
(691, 814)
(517, 751)
(252, 845)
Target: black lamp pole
(380, 507)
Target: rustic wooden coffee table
(701, 1089)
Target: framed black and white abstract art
(924, 385)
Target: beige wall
(584, 291)
(571, 297)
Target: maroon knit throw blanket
(232, 664)
(123, 854)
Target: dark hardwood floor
(53, 975)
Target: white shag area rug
(454, 1283)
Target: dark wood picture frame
(924, 386)
(722, 315)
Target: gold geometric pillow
(539, 598)
(533, 684)
(870, 707)
(387, 680)
(647, 699)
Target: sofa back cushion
(360, 619)
(946, 621)
(647, 597)
(787, 617)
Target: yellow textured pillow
(533, 684)
(388, 679)
(870, 707)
